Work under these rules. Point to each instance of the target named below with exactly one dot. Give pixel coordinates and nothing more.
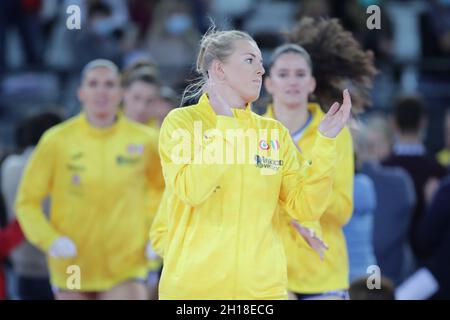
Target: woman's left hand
(336, 118)
(310, 237)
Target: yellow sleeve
(154, 173)
(158, 231)
(340, 208)
(191, 182)
(34, 188)
(307, 185)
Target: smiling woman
(218, 221)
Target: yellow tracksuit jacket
(156, 264)
(307, 274)
(153, 123)
(105, 186)
(220, 239)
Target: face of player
(243, 71)
(141, 100)
(100, 93)
(290, 81)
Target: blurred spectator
(22, 14)
(29, 263)
(433, 242)
(104, 32)
(395, 199)
(443, 156)
(405, 19)
(200, 10)
(434, 78)
(270, 18)
(434, 238)
(141, 13)
(439, 15)
(107, 16)
(3, 215)
(358, 232)
(49, 17)
(354, 17)
(173, 40)
(60, 51)
(230, 14)
(359, 290)
(410, 153)
(267, 23)
(314, 9)
(377, 138)
(10, 237)
(419, 286)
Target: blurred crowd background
(41, 60)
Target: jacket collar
(99, 132)
(314, 108)
(238, 113)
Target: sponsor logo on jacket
(268, 163)
(126, 160)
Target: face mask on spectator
(178, 23)
(101, 26)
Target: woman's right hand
(63, 247)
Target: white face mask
(102, 26)
(178, 23)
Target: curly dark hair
(339, 61)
